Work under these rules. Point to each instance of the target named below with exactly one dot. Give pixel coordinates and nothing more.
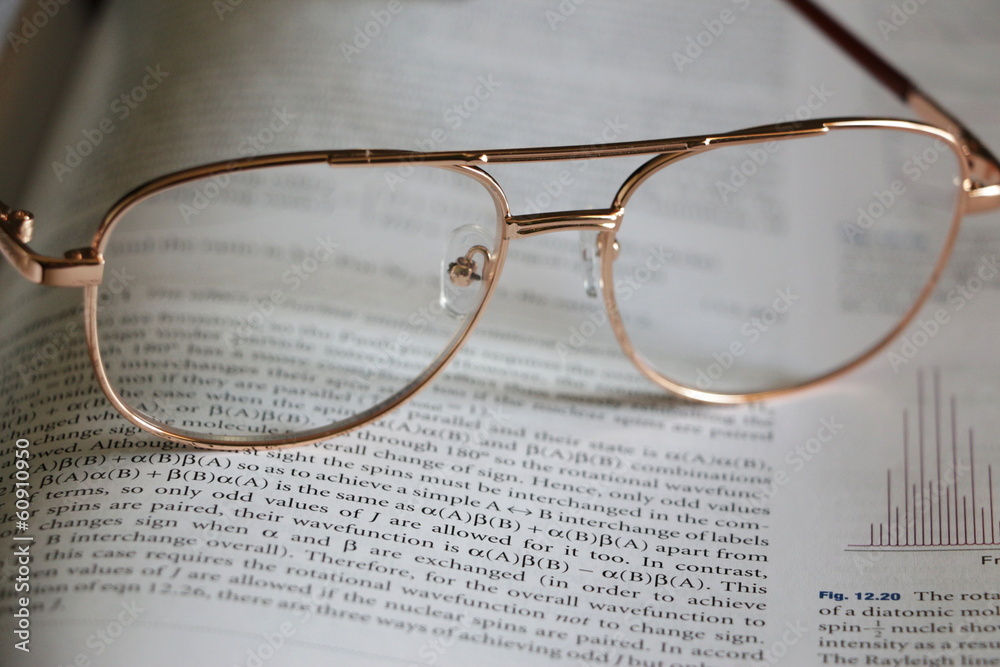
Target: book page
(540, 501)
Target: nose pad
(590, 252)
(466, 260)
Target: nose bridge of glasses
(598, 220)
(590, 223)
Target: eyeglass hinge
(982, 198)
(79, 267)
(20, 223)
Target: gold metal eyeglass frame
(83, 267)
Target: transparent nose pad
(466, 258)
(590, 251)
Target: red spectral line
(972, 467)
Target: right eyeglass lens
(285, 300)
(762, 266)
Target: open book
(540, 502)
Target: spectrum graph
(943, 496)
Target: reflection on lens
(762, 266)
(272, 302)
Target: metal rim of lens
(155, 427)
(684, 390)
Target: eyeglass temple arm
(984, 168)
(78, 268)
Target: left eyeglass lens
(287, 300)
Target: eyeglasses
(285, 299)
